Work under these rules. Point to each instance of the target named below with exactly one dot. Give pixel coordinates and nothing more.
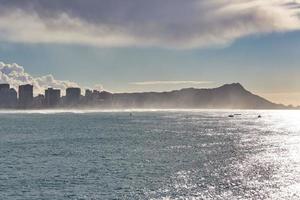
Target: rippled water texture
(150, 155)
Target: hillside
(233, 96)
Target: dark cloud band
(167, 23)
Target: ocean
(149, 154)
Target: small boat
(259, 116)
(230, 115)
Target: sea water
(186, 154)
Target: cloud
(15, 75)
(98, 87)
(171, 82)
(167, 23)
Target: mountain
(231, 96)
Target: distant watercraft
(230, 115)
(259, 116)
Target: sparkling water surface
(190, 154)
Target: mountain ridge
(231, 96)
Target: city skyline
(153, 46)
(24, 98)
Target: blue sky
(264, 60)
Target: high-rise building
(4, 86)
(52, 97)
(25, 96)
(8, 96)
(88, 94)
(73, 96)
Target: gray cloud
(167, 23)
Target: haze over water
(189, 154)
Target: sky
(157, 45)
